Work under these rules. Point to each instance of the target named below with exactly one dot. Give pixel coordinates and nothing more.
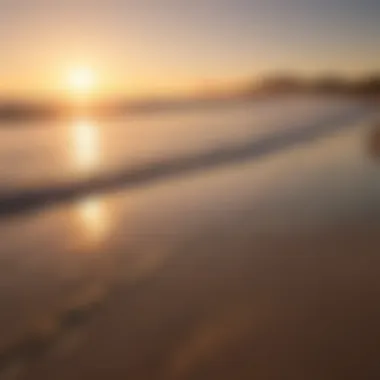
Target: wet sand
(268, 307)
(267, 270)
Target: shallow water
(40, 153)
(164, 280)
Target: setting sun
(81, 80)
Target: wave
(19, 201)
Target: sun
(81, 80)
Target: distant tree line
(368, 86)
(20, 110)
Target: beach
(259, 262)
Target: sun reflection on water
(86, 144)
(93, 215)
(91, 212)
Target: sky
(141, 47)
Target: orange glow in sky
(138, 48)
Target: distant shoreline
(367, 89)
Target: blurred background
(189, 189)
